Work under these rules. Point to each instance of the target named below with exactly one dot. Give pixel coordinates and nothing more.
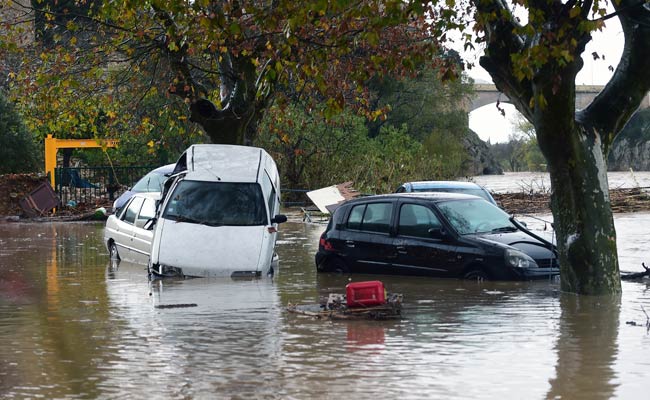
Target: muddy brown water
(74, 325)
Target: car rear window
(152, 182)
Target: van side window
(377, 217)
(416, 220)
(133, 210)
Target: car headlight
(517, 259)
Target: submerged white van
(219, 214)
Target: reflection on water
(586, 324)
(74, 325)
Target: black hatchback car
(435, 234)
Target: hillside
(631, 149)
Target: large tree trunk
(581, 210)
(584, 224)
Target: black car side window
(416, 220)
(354, 220)
(377, 217)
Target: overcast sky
(488, 122)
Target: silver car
(125, 236)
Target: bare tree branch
(502, 40)
(621, 97)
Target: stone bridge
(485, 94)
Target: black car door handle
(349, 243)
(401, 249)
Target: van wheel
(476, 275)
(113, 252)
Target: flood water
(73, 325)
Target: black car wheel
(476, 274)
(334, 264)
(115, 255)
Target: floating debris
(187, 305)
(636, 275)
(363, 300)
(622, 200)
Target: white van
(219, 214)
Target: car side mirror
(151, 222)
(278, 219)
(437, 233)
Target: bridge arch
(485, 94)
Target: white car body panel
(213, 251)
(133, 242)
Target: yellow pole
(52, 146)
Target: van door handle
(349, 243)
(401, 250)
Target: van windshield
(217, 203)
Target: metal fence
(101, 185)
(95, 185)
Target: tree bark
(581, 208)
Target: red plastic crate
(365, 294)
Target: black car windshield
(475, 216)
(217, 203)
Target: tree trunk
(221, 126)
(583, 219)
(582, 214)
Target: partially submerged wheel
(476, 275)
(114, 254)
(334, 264)
(338, 265)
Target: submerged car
(219, 215)
(125, 235)
(436, 234)
(447, 187)
(152, 182)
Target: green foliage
(18, 152)
(314, 152)
(521, 152)
(533, 155)
(448, 149)
(161, 134)
(423, 103)
(103, 56)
